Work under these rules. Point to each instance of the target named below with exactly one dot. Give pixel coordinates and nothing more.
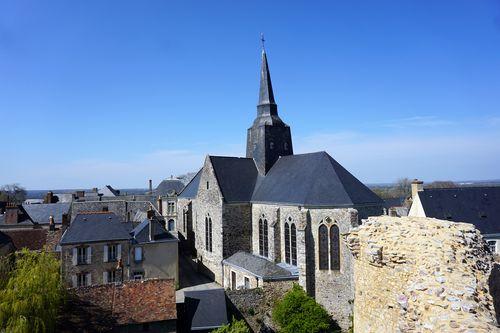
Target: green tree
(31, 299)
(299, 313)
(236, 326)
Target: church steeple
(269, 137)
(266, 95)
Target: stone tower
(269, 137)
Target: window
(208, 233)
(184, 220)
(247, 283)
(263, 238)
(82, 255)
(233, 280)
(334, 248)
(170, 208)
(138, 254)
(138, 275)
(171, 225)
(271, 145)
(81, 279)
(323, 247)
(112, 252)
(492, 245)
(208, 186)
(287, 243)
(293, 241)
(112, 276)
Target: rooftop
(260, 267)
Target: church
(275, 215)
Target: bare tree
(402, 188)
(12, 193)
(442, 184)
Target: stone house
(286, 211)
(479, 205)
(99, 248)
(167, 192)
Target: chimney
(416, 186)
(49, 197)
(393, 212)
(52, 223)
(11, 214)
(160, 205)
(150, 186)
(151, 225)
(65, 221)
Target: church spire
(266, 95)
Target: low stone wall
(420, 275)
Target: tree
(441, 184)
(299, 313)
(236, 326)
(12, 193)
(30, 301)
(402, 188)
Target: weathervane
(262, 40)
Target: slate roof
(313, 179)
(141, 232)
(109, 191)
(96, 227)
(168, 186)
(32, 239)
(40, 213)
(259, 266)
(206, 309)
(191, 189)
(477, 205)
(236, 177)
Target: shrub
(31, 298)
(236, 326)
(299, 313)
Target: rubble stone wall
(420, 275)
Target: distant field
(39, 194)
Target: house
(289, 209)
(167, 192)
(477, 205)
(100, 248)
(205, 310)
(132, 306)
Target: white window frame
(81, 255)
(495, 245)
(81, 279)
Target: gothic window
(287, 243)
(293, 242)
(271, 145)
(323, 247)
(334, 248)
(263, 238)
(208, 234)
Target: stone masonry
(420, 275)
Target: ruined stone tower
(269, 137)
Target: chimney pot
(416, 186)
(150, 186)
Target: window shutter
(105, 258)
(89, 255)
(75, 256)
(119, 251)
(73, 281)
(104, 277)
(88, 279)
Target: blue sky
(117, 92)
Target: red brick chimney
(11, 214)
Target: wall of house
(209, 202)
(160, 260)
(236, 228)
(96, 267)
(240, 278)
(416, 209)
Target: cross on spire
(262, 40)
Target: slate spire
(266, 95)
(269, 137)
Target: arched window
(266, 240)
(261, 237)
(334, 247)
(323, 247)
(287, 243)
(293, 242)
(208, 233)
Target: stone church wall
(421, 275)
(236, 228)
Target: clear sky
(117, 92)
